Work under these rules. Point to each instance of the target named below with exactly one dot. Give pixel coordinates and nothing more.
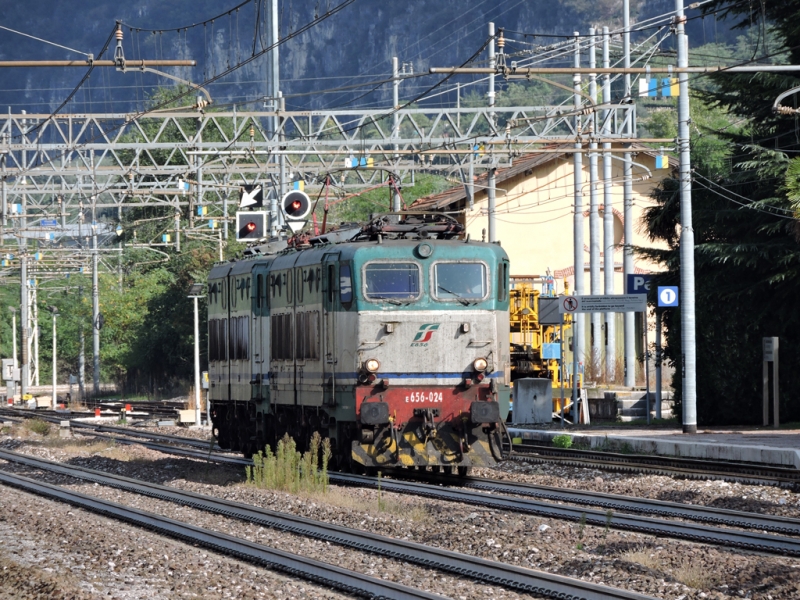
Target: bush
(562, 441)
(38, 426)
(287, 470)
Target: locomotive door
(330, 279)
(260, 353)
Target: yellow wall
(534, 217)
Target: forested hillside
(351, 47)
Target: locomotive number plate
(424, 397)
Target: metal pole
(178, 228)
(627, 250)
(688, 358)
(273, 91)
(562, 370)
(491, 192)
(82, 354)
(658, 364)
(775, 396)
(595, 282)
(608, 222)
(471, 182)
(646, 366)
(4, 194)
(23, 261)
(765, 392)
(35, 330)
(282, 159)
(577, 319)
(55, 370)
(395, 127)
(14, 337)
(95, 312)
(197, 363)
(458, 107)
(492, 64)
(224, 224)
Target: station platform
(780, 447)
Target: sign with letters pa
(638, 283)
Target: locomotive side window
(345, 286)
(459, 281)
(391, 281)
(502, 282)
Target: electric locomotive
(390, 339)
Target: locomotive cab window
(398, 281)
(458, 282)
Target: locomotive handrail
(361, 345)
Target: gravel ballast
(658, 567)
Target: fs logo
(424, 334)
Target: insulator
(118, 34)
(501, 41)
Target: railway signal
(296, 205)
(251, 225)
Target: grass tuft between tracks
(37, 426)
(291, 471)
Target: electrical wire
(33, 37)
(185, 27)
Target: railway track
(753, 474)
(326, 574)
(703, 514)
(676, 529)
(510, 576)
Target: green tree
(747, 257)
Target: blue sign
(638, 284)
(551, 351)
(49, 223)
(668, 296)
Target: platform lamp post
(195, 293)
(54, 311)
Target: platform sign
(48, 223)
(603, 303)
(548, 311)
(667, 296)
(638, 284)
(770, 348)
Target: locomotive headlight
(372, 365)
(480, 364)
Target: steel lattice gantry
(122, 160)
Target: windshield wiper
(461, 299)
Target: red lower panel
(451, 402)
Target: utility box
(186, 416)
(9, 372)
(533, 400)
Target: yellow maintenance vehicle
(538, 336)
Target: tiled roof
(447, 199)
